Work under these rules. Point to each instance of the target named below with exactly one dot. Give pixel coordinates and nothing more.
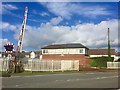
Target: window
(45, 51)
(81, 51)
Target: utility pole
(109, 54)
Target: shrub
(100, 61)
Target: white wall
(116, 58)
(27, 56)
(64, 51)
(101, 55)
(0, 55)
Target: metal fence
(113, 65)
(51, 65)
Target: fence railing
(4, 64)
(113, 65)
(51, 65)
(43, 65)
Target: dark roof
(62, 46)
(101, 52)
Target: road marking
(67, 80)
(45, 75)
(104, 77)
(51, 75)
(15, 76)
(16, 85)
(90, 73)
(77, 79)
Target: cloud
(40, 13)
(6, 8)
(44, 14)
(89, 34)
(0, 8)
(67, 10)
(56, 21)
(2, 43)
(7, 27)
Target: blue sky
(63, 22)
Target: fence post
(62, 65)
(31, 66)
(52, 66)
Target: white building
(65, 49)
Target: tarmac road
(71, 80)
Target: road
(69, 80)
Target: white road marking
(15, 76)
(63, 74)
(90, 73)
(16, 85)
(67, 80)
(77, 79)
(45, 75)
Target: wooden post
(52, 66)
(63, 66)
(31, 65)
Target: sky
(60, 22)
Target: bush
(100, 61)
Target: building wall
(65, 51)
(0, 55)
(81, 57)
(116, 58)
(66, 54)
(28, 56)
(101, 55)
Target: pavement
(69, 80)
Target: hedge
(100, 61)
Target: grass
(40, 72)
(43, 72)
(57, 72)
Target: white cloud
(6, 8)
(90, 34)
(56, 21)
(2, 43)
(6, 26)
(67, 9)
(44, 14)
(0, 8)
(9, 6)
(40, 13)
